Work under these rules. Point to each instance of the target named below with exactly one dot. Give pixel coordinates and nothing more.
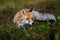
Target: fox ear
(31, 10)
(23, 11)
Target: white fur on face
(23, 23)
(27, 22)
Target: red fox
(27, 16)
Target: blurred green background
(38, 31)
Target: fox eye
(31, 18)
(21, 19)
(27, 18)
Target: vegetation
(38, 31)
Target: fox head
(25, 18)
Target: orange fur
(23, 14)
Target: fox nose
(31, 23)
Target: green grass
(38, 31)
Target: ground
(38, 31)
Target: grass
(38, 31)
